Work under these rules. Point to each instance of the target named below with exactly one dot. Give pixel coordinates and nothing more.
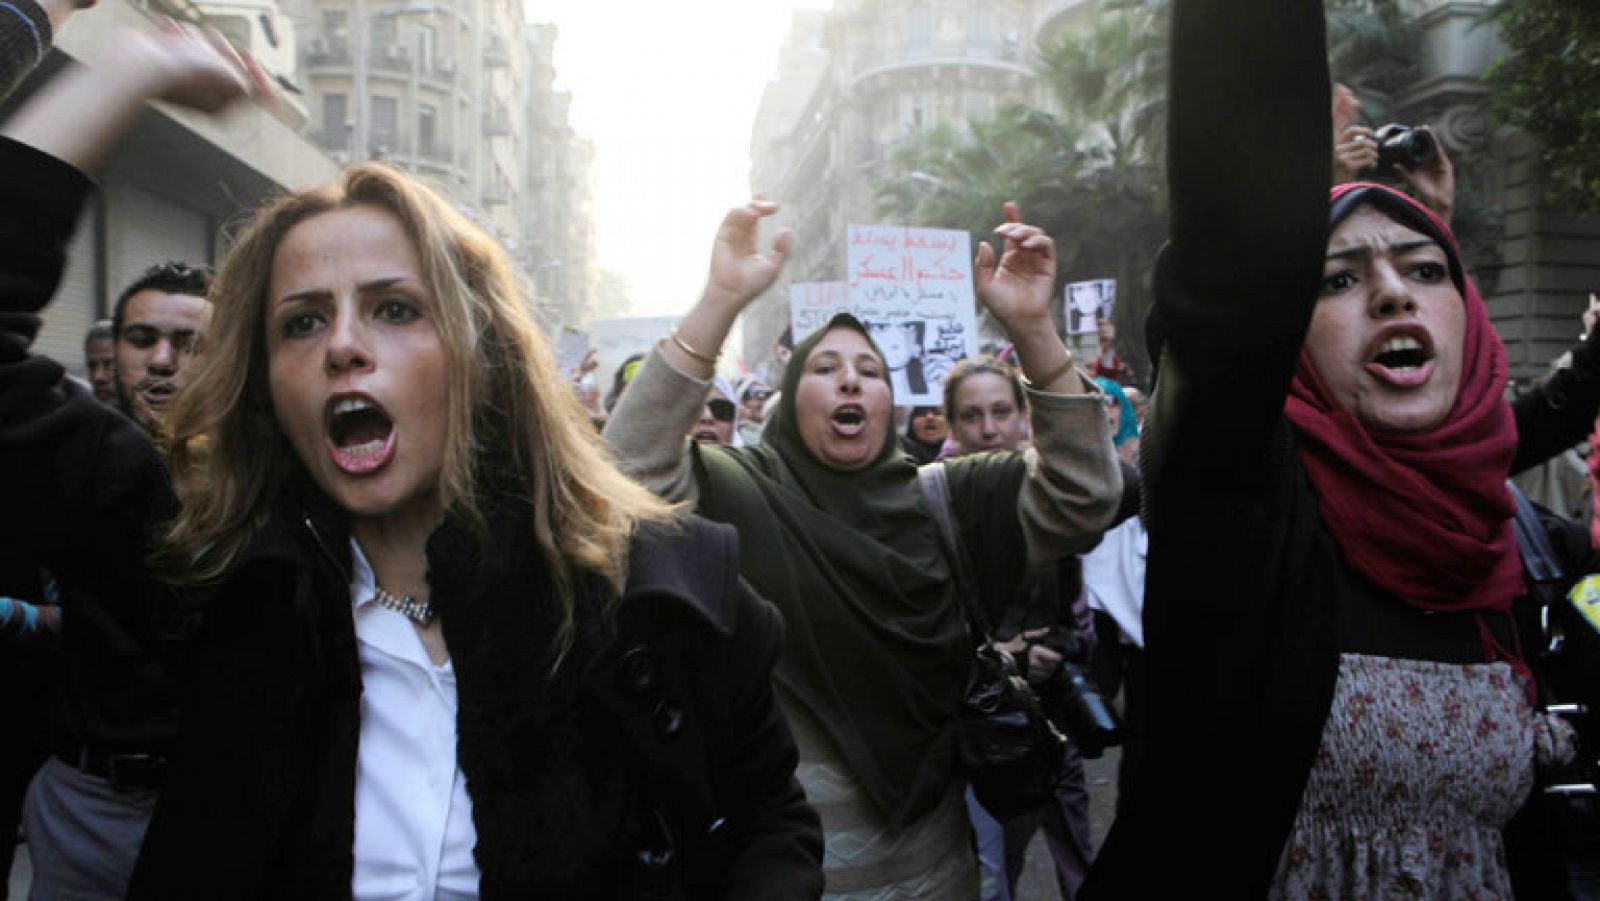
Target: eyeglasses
(721, 409)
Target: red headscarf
(1427, 516)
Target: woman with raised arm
(437, 644)
(1339, 703)
(447, 640)
(834, 528)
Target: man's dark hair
(168, 278)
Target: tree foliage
(1549, 84)
(1088, 169)
(1090, 166)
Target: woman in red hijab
(1339, 704)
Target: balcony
(327, 51)
(440, 70)
(497, 192)
(496, 54)
(390, 58)
(334, 141)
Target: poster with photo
(1088, 303)
(912, 287)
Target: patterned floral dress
(1421, 766)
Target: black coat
(654, 764)
(82, 487)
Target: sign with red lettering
(812, 304)
(912, 287)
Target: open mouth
(361, 434)
(1404, 358)
(706, 436)
(849, 420)
(156, 393)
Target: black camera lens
(1403, 146)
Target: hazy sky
(668, 92)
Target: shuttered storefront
(72, 311)
(149, 229)
(142, 228)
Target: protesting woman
(834, 527)
(1336, 655)
(437, 639)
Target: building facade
(1537, 278)
(173, 188)
(852, 84)
(558, 219)
(462, 94)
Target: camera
(1074, 703)
(1404, 146)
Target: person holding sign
(834, 530)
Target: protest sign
(1087, 303)
(572, 346)
(912, 287)
(812, 304)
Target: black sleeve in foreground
(1560, 413)
(1250, 150)
(40, 198)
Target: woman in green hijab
(835, 531)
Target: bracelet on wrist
(1051, 376)
(684, 346)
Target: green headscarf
(876, 650)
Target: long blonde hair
(505, 399)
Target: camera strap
(935, 483)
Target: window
(425, 44)
(335, 119)
(385, 123)
(980, 31)
(336, 24)
(385, 33)
(919, 27)
(427, 130)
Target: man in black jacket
(82, 477)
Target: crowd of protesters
(328, 584)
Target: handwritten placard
(1087, 303)
(913, 289)
(812, 304)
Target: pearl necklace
(408, 607)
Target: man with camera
(1412, 157)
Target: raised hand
(739, 272)
(81, 115)
(1355, 151)
(1020, 289)
(191, 66)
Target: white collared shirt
(414, 832)
(1113, 576)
